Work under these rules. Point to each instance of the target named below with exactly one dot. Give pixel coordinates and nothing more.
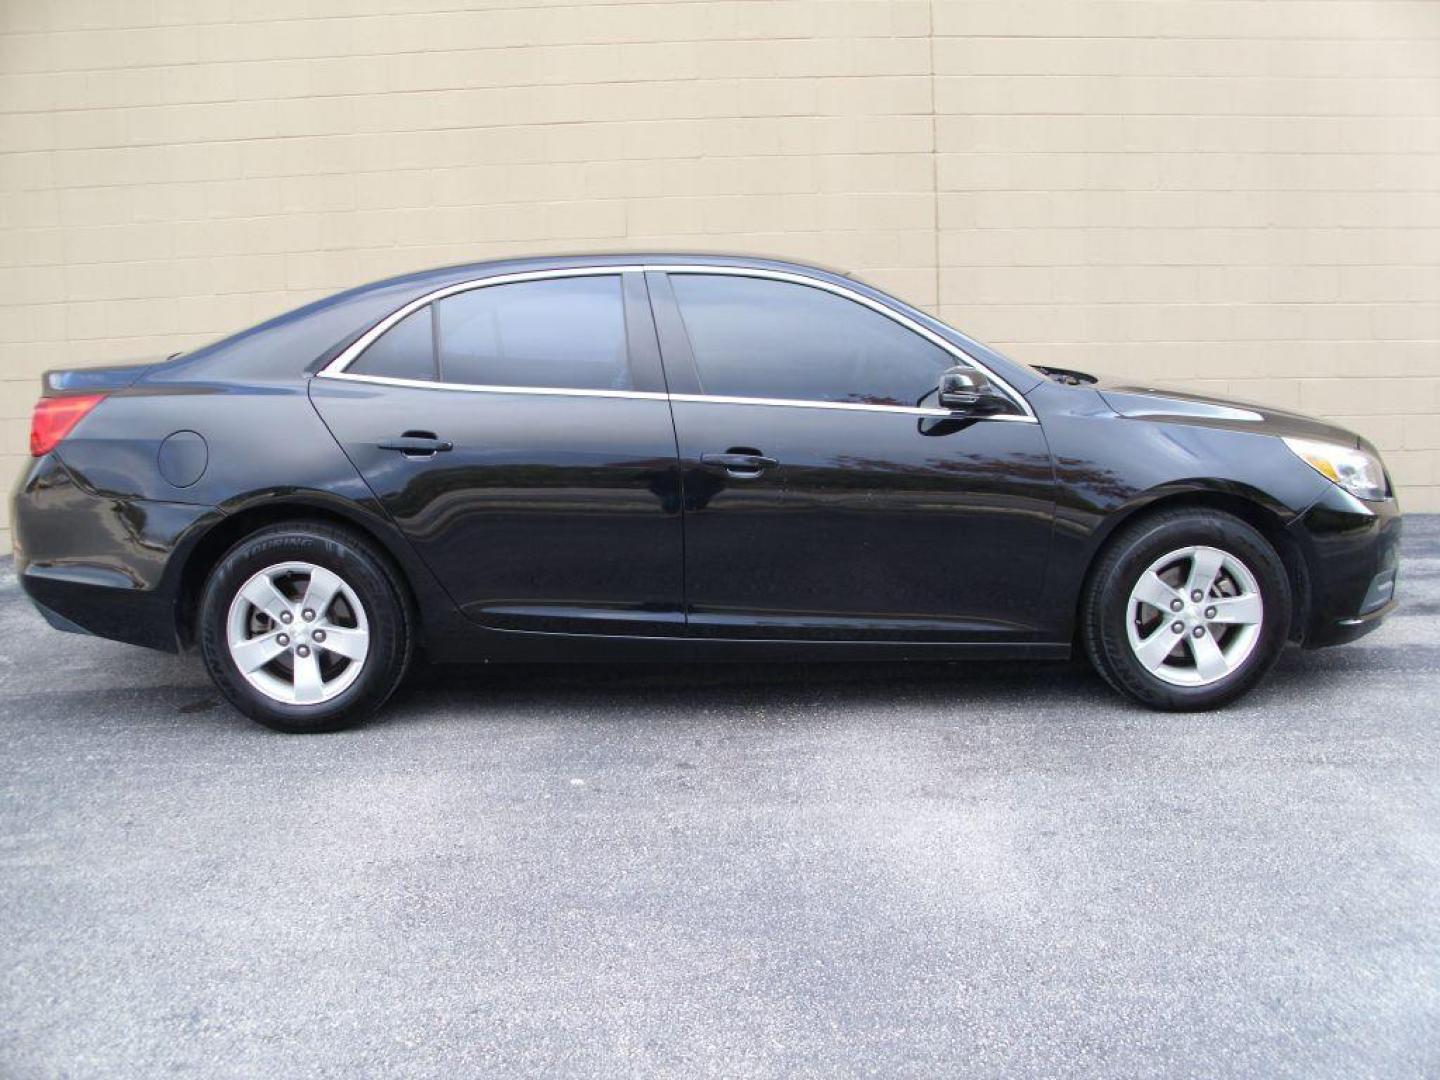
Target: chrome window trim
(646, 395)
(336, 369)
(1016, 398)
(845, 406)
(472, 388)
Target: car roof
(310, 336)
(317, 329)
(443, 275)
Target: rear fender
(354, 508)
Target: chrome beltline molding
(469, 388)
(336, 369)
(848, 406)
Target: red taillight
(54, 417)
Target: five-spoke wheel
(1195, 615)
(298, 633)
(305, 626)
(1186, 609)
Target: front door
(519, 435)
(827, 496)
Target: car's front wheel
(304, 627)
(1187, 609)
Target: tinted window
(405, 351)
(561, 332)
(754, 337)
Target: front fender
(1108, 468)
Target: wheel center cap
(1195, 616)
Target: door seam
(682, 504)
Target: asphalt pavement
(965, 869)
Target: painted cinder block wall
(1237, 195)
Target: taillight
(54, 417)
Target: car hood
(1156, 403)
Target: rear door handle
(417, 444)
(738, 463)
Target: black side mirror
(968, 390)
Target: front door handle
(737, 462)
(417, 444)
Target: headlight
(1353, 469)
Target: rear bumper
(1352, 552)
(100, 564)
(102, 609)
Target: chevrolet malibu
(678, 457)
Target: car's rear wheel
(304, 627)
(1187, 609)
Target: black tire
(364, 570)
(1106, 612)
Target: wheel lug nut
(1199, 631)
(318, 636)
(283, 640)
(1176, 605)
(1209, 613)
(307, 614)
(303, 650)
(1179, 628)
(1197, 596)
(286, 618)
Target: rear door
(827, 496)
(518, 432)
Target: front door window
(761, 338)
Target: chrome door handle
(417, 444)
(738, 463)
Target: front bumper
(101, 564)
(1352, 555)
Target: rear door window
(565, 333)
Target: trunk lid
(65, 382)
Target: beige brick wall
(1241, 195)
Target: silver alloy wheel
(1194, 616)
(298, 633)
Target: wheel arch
(1249, 505)
(258, 513)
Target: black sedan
(678, 457)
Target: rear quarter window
(405, 351)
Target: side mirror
(968, 390)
